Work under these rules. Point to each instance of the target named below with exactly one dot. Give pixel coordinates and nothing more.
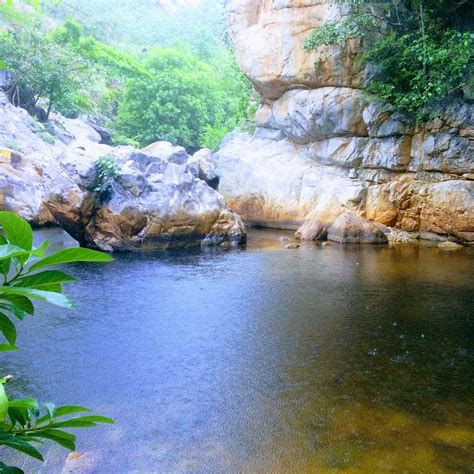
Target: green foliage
(106, 170)
(332, 33)
(424, 55)
(41, 67)
(176, 103)
(25, 423)
(417, 70)
(190, 93)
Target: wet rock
(351, 228)
(292, 246)
(312, 230)
(449, 246)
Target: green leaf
(50, 297)
(42, 279)
(7, 348)
(19, 303)
(8, 329)
(3, 402)
(17, 230)
(96, 419)
(24, 403)
(69, 409)
(18, 444)
(10, 251)
(66, 440)
(70, 256)
(4, 469)
(6, 262)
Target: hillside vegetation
(166, 76)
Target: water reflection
(322, 359)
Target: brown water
(337, 359)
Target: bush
(416, 70)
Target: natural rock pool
(321, 359)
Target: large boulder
(158, 201)
(268, 38)
(349, 228)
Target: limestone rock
(310, 115)
(158, 201)
(383, 121)
(351, 228)
(268, 39)
(155, 204)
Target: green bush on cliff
(27, 277)
(425, 52)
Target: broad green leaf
(70, 256)
(17, 230)
(50, 297)
(7, 348)
(6, 262)
(24, 403)
(57, 437)
(69, 409)
(14, 442)
(96, 419)
(3, 402)
(42, 279)
(73, 424)
(10, 251)
(4, 469)
(21, 303)
(8, 329)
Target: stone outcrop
(321, 149)
(158, 201)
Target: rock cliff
(321, 149)
(158, 201)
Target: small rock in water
(292, 246)
(283, 239)
(449, 246)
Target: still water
(338, 359)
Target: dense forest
(167, 75)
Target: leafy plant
(106, 170)
(424, 53)
(415, 70)
(27, 277)
(41, 67)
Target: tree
(425, 52)
(41, 67)
(179, 99)
(27, 277)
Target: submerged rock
(449, 246)
(351, 228)
(312, 230)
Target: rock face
(321, 149)
(158, 201)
